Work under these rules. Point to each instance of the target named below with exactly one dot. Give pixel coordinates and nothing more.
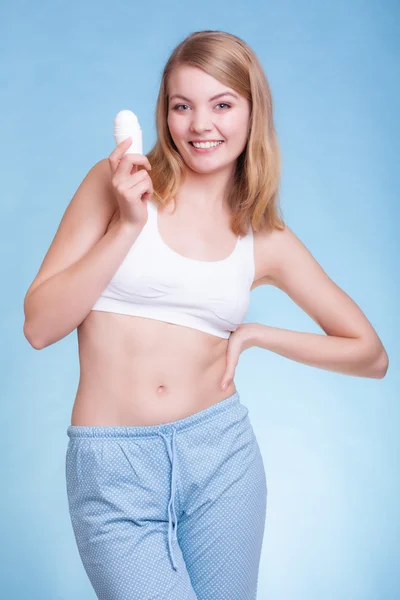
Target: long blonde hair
(254, 193)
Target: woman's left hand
(239, 340)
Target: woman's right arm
(88, 248)
(59, 304)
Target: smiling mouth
(206, 149)
(207, 142)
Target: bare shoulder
(279, 253)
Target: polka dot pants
(170, 512)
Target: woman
(155, 271)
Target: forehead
(192, 81)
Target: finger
(228, 376)
(231, 363)
(136, 178)
(127, 182)
(140, 188)
(131, 161)
(119, 152)
(128, 165)
(226, 381)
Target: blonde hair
(254, 191)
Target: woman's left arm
(351, 345)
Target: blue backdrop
(330, 442)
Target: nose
(200, 127)
(200, 122)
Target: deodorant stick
(126, 124)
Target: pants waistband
(82, 431)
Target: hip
(212, 442)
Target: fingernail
(224, 385)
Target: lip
(204, 141)
(206, 150)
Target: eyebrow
(213, 98)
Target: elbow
(31, 339)
(372, 358)
(383, 365)
(380, 365)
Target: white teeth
(206, 145)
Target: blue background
(330, 442)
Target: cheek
(235, 126)
(170, 124)
(175, 126)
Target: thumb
(227, 378)
(232, 357)
(225, 384)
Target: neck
(207, 193)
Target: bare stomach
(141, 371)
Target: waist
(231, 404)
(137, 371)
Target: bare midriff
(141, 371)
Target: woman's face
(195, 115)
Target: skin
(226, 118)
(152, 372)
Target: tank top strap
(151, 209)
(151, 225)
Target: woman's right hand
(132, 188)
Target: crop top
(156, 282)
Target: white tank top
(156, 282)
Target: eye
(177, 106)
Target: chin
(208, 169)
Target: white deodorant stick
(126, 124)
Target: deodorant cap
(126, 124)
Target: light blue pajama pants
(174, 511)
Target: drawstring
(173, 458)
